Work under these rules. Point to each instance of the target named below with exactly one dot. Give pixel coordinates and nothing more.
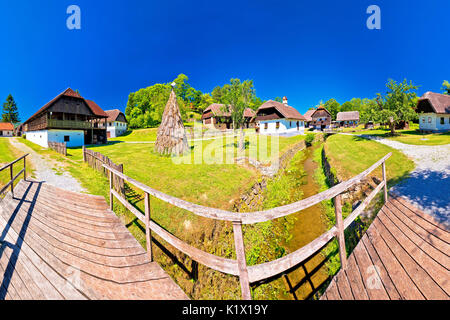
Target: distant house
(274, 117)
(434, 112)
(6, 129)
(68, 118)
(308, 118)
(347, 119)
(321, 119)
(117, 123)
(218, 116)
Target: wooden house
(68, 118)
(434, 112)
(116, 123)
(347, 119)
(6, 129)
(274, 117)
(308, 118)
(321, 119)
(218, 116)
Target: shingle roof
(347, 116)
(308, 114)
(70, 93)
(113, 114)
(439, 102)
(7, 126)
(218, 110)
(320, 112)
(287, 111)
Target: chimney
(285, 101)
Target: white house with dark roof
(116, 124)
(434, 112)
(275, 117)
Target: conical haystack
(171, 137)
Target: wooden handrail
(251, 274)
(12, 177)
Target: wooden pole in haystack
(171, 138)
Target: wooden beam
(148, 234)
(340, 230)
(383, 165)
(241, 260)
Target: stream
(309, 225)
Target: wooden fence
(58, 147)
(238, 267)
(96, 160)
(13, 177)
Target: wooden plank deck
(56, 244)
(403, 255)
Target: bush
(309, 139)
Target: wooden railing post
(340, 230)
(148, 234)
(84, 153)
(383, 165)
(111, 196)
(12, 177)
(241, 260)
(25, 168)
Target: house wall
(432, 121)
(42, 137)
(6, 133)
(116, 128)
(286, 126)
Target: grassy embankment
(349, 156)
(214, 185)
(8, 154)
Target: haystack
(171, 138)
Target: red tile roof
(308, 114)
(70, 93)
(287, 111)
(439, 102)
(219, 110)
(6, 126)
(113, 114)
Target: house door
(108, 134)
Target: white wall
(5, 133)
(42, 137)
(117, 128)
(432, 121)
(286, 126)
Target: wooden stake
(340, 230)
(242, 263)
(148, 234)
(383, 165)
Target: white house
(434, 112)
(275, 117)
(6, 129)
(68, 118)
(117, 123)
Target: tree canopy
(446, 87)
(10, 112)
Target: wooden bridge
(57, 244)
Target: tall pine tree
(10, 112)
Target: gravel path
(428, 186)
(44, 169)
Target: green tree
(10, 111)
(238, 97)
(333, 107)
(278, 99)
(446, 87)
(369, 111)
(398, 103)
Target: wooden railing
(238, 267)
(70, 124)
(12, 176)
(60, 147)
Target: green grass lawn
(351, 155)
(410, 136)
(8, 154)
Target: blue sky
(306, 50)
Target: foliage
(309, 139)
(398, 103)
(10, 112)
(333, 107)
(446, 87)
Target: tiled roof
(439, 102)
(219, 110)
(308, 114)
(7, 126)
(287, 111)
(347, 116)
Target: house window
(423, 119)
(277, 125)
(429, 119)
(266, 126)
(442, 120)
(66, 138)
